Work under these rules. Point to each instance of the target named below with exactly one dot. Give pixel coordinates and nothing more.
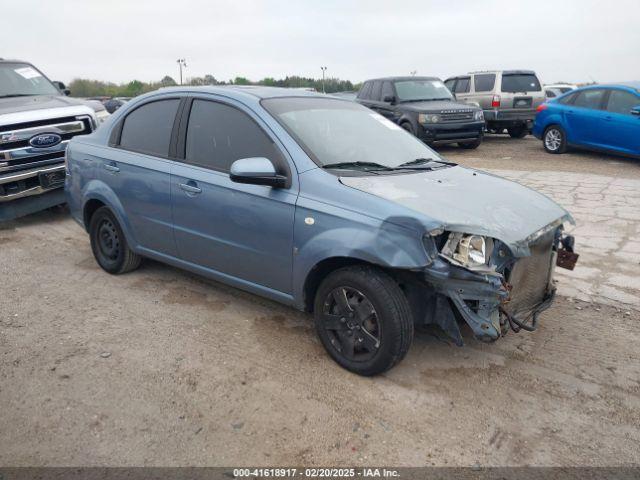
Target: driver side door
(237, 230)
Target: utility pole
(181, 63)
(324, 69)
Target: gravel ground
(160, 367)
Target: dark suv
(426, 108)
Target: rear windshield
(520, 82)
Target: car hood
(470, 201)
(41, 107)
(439, 106)
(37, 102)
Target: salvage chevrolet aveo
(321, 204)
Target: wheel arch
(97, 194)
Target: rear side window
(376, 92)
(589, 99)
(218, 135)
(462, 86)
(622, 102)
(148, 128)
(484, 82)
(520, 82)
(365, 91)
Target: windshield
(334, 132)
(520, 82)
(412, 90)
(19, 79)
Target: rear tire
(363, 319)
(518, 132)
(109, 244)
(471, 145)
(554, 139)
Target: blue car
(602, 117)
(321, 204)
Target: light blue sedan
(321, 204)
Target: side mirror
(636, 111)
(62, 87)
(389, 99)
(256, 171)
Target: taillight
(542, 106)
(495, 102)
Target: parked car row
(459, 109)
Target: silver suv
(509, 98)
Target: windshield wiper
(423, 164)
(367, 166)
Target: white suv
(509, 98)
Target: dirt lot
(160, 367)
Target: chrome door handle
(190, 188)
(111, 168)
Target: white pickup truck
(37, 120)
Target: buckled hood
(470, 201)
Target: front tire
(109, 244)
(363, 319)
(554, 139)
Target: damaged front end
(481, 281)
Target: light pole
(324, 69)
(181, 63)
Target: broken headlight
(467, 250)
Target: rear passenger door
(137, 169)
(622, 128)
(237, 230)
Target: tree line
(81, 87)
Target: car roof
(507, 72)
(630, 85)
(401, 78)
(256, 91)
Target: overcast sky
(122, 40)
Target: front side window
(484, 82)
(520, 82)
(21, 79)
(414, 90)
(387, 90)
(218, 135)
(334, 131)
(589, 98)
(462, 86)
(622, 102)
(148, 128)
